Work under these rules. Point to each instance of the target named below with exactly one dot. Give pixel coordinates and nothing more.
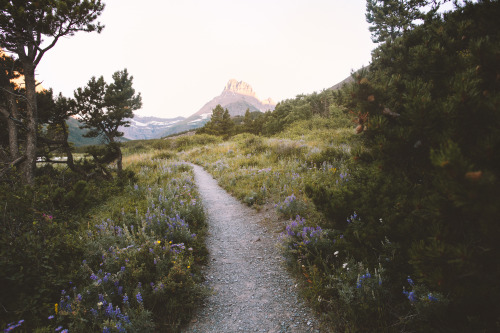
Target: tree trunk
(13, 132)
(67, 149)
(119, 164)
(11, 127)
(11, 165)
(28, 167)
(10, 114)
(116, 145)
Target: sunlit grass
(266, 171)
(132, 159)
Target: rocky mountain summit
(238, 87)
(234, 87)
(237, 97)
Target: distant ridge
(348, 79)
(339, 85)
(143, 128)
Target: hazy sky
(182, 53)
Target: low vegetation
(131, 264)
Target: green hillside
(76, 134)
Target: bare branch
(12, 164)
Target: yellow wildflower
(158, 242)
(56, 305)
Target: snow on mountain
(143, 128)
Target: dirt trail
(252, 292)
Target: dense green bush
(428, 179)
(38, 242)
(251, 143)
(302, 107)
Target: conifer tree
(56, 134)
(220, 123)
(9, 70)
(105, 108)
(248, 122)
(227, 124)
(391, 18)
(29, 29)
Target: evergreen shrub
(428, 178)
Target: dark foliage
(428, 112)
(38, 242)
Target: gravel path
(251, 290)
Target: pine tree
(226, 125)
(248, 122)
(391, 18)
(105, 108)
(220, 123)
(31, 28)
(9, 70)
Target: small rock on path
(251, 290)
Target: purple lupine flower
(410, 281)
(139, 298)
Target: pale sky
(182, 53)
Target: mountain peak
(238, 87)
